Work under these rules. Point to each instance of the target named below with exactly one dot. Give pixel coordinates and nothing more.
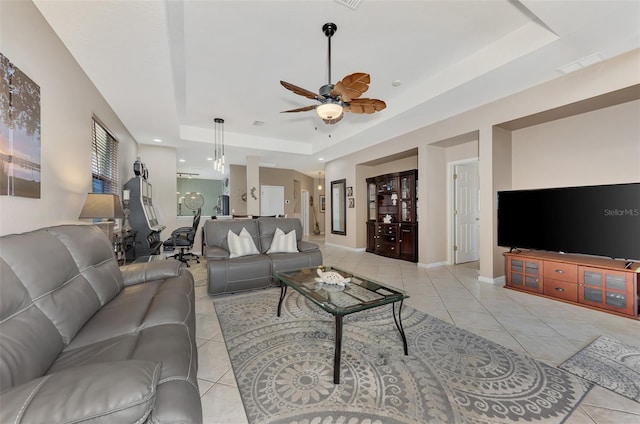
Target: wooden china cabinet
(392, 227)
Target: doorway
(465, 212)
(271, 200)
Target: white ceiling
(169, 67)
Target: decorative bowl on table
(331, 278)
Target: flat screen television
(599, 220)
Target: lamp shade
(329, 110)
(102, 205)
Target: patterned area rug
(609, 363)
(284, 369)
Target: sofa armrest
(137, 273)
(215, 253)
(306, 246)
(113, 392)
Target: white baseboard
(433, 265)
(326, 243)
(497, 280)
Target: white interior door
(466, 212)
(271, 200)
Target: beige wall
(68, 100)
(599, 147)
(585, 141)
(237, 186)
(270, 177)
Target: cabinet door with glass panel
(387, 199)
(407, 196)
(371, 200)
(525, 273)
(607, 289)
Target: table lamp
(105, 206)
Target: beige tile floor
(547, 330)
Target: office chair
(182, 238)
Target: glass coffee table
(357, 295)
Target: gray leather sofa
(82, 340)
(230, 275)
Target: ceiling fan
(341, 97)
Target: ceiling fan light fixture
(329, 110)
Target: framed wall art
(19, 132)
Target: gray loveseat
(82, 340)
(229, 275)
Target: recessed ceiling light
(209, 158)
(320, 158)
(590, 60)
(181, 160)
(157, 140)
(351, 4)
(571, 67)
(396, 83)
(580, 63)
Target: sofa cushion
(29, 342)
(241, 244)
(156, 302)
(74, 266)
(292, 261)
(283, 243)
(238, 274)
(216, 231)
(268, 226)
(109, 392)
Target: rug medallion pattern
(284, 369)
(609, 363)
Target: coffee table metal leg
(283, 292)
(338, 354)
(399, 325)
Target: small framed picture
(322, 203)
(352, 203)
(349, 191)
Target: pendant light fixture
(218, 158)
(320, 180)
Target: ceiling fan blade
(301, 91)
(300, 109)
(352, 86)
(366, 106)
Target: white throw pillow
(283, 243)
(241, 245)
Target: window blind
(104, 160)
